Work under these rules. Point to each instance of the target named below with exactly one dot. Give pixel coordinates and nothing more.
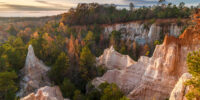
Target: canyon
(154, 77)
(146, 79)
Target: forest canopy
(93, 13)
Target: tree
(92, 92)
(115, 39)
(71, 46)
(193, 62)
(7, 85)
(68, 88)
(124, 98)
(60, 68)
(156, 43)
(146, 50)
(131, 6)
(4, 65)
(181, 5)
(87, 67)
(90, 39)
(78, 95)
(87, 63)
(123, 49)
(12, 30)
(161, 1)
(111, 92)
(13, 55)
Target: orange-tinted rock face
(155, 77)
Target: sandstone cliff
(155, 77)
(142, 33)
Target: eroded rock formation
(35, 79)
(155, 77)
(46, 93)
(180, 90)
(34, 74)
(112, 59)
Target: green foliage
(87, 64)
(90, 39)
(193, 62)
(147, 53)
(179, 22)
(131, 6)
(111, 92)
(109, 14)
(7, 85)
(67, 88)
(123, 50)
(13, 55)
(124, 98)
(92, 92)
(12, 30)
(60, 68)
(78, 95)
(46, 49)
(115, 38)
(101, 70)
(157, 42)
(102, 86)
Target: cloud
(29, 8)
(145, 2)
(50, 4)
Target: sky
(38, 8)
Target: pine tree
(111, 92)
(193, 62)
(60, 68)
(67, 88)
(7, 85)
(131, 5)
(87, 64)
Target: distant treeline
(22, 19)
(93, 13)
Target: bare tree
(131, 5)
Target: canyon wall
(155, 77)
(143, 33)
